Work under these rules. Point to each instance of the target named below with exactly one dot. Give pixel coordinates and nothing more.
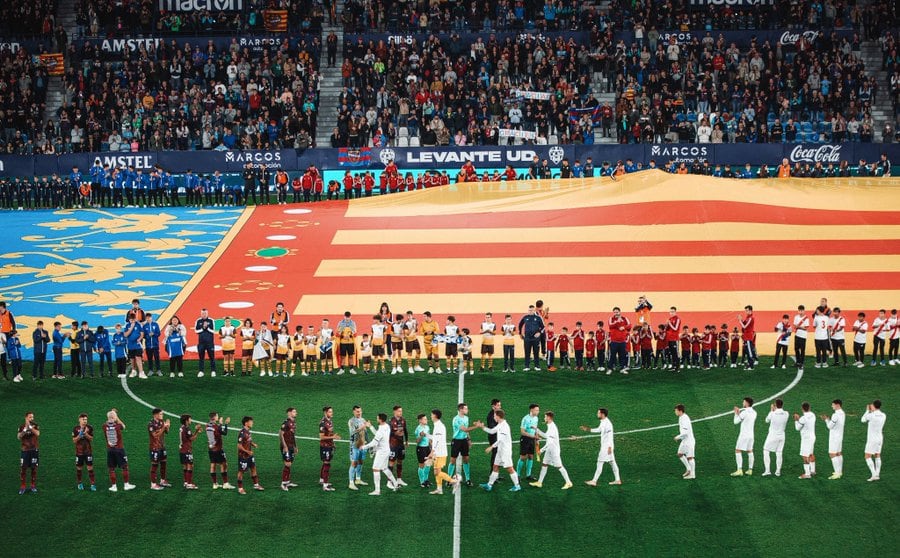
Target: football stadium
(330, 277)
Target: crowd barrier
(519, 157)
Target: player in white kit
(381, 444)
(777, 419)
(607, 447)
(504, 452)
(806, 426)
(874, 438)
(835, 425)
(551, 451)
(746, 417)
(686, 446)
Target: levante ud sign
(200, 5)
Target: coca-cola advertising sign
(817, 154)
(791, 38)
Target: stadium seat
(403, 142)
(403, 132)
(414, 141)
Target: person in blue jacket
(120, 350)
(154, 189)
(40, 339)
(175, 347)
(134, 333)
(14, 354)
(151, 344)
(104, 349)
(128, 177)
(59, 339)
(85, 338)
(191, 182)
(142, 185)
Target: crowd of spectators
(118, 18)
(466, 15)
(23, 94)
(27, 18)
(172, 97)
(448, 91)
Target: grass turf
(653, 513)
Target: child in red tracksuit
(708, 345)
(646, 335)
(562, 343)
(685, 339)
(662, 345)
(634, 348)
(735, 346)
(578, 346)
(590, 349)
(601, 337)
(551, 345)
(696, 346)
(723, 345)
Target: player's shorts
(397, 346)
(744, 444)
(487, 349)
(377, 350)
(298, 356)
(551, 458)
(413, 346)
(835, 445)
(366, 360)
(159, 455)
(459, 446)
(686, 449)
(346, 349)
(605, 456)
(328, 355)
(246, 463)
(422, 453)
(526, 446)
(467, 357)
(806, 446)
(451, 349)
(116, 458)
(357, 454)
(310, 358)
(135, 353)
(280, 356)
(29, 458)
(86, 459)
(217, 456)
(504, 459)
(246, 353)
(431, 350)
(874, 447)
(186, 458)
(381, 461)
(288, 456)
(774, 444)
(325, 454)
(228, 353)
(398, 453)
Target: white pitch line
(457, 492)
(786, 389)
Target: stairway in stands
(56, 87)
(329, 80)
(882, 110)
(598, 85)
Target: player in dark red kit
(578, 346)
(602, 337)
(157, 428)
(748, 335)
(215, 429)
(646, 337)
(28, 436)
(246, 459)
(115, 451)
(83, 437)
(288, 436)
(187, 435)
(326, 447)
(673, 328)
(398, 441)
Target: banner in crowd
(511, 133)
(714, 4)
(31, 46)
(596, 114)
(518, 156)
(276, 21)
(113, 48)
(53, 63)
(201, 5)
(741, 38)
(536, 95)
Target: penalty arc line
(786, 389)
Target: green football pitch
(654, 513)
